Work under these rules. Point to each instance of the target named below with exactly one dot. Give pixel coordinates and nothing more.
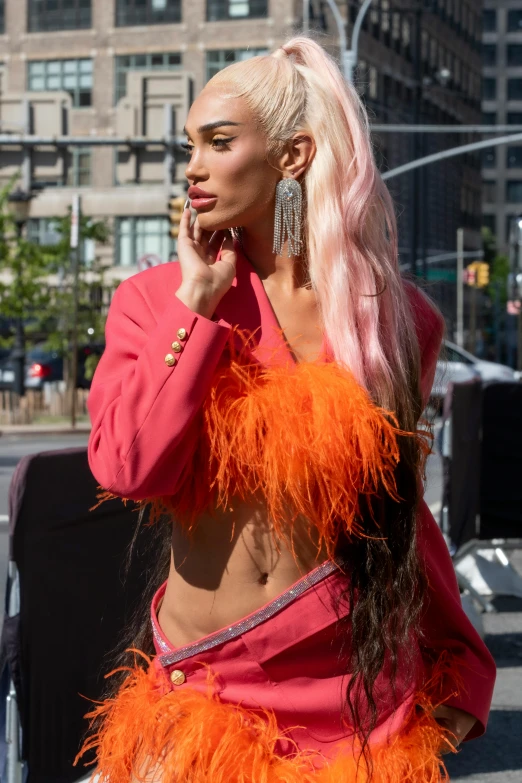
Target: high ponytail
(352, 257)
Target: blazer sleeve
(447, 629)
(445, 626)
(141, 408)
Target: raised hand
(205, 280)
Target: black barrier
(501, 462)
(483, 474)
(462, 469)
(75, 601)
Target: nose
(195, 170)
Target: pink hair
(351, 233)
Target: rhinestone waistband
(169, 655)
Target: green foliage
(37, 282)
(90, 285)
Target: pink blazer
(143, 414)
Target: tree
(37, 283)
(23, 276)
(91, 315)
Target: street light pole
(19, 201)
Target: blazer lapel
(247, 306)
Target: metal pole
(75, 261)
(460, 288)
(473, 321)
(349, 57)
(306, 16)
(342, 35)
(18, 352)
(519, 297)
(519, 292)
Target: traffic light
(482, 275)
(175, 209)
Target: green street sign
(449, 275)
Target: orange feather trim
(306, 440)
(183, 735)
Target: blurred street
(497, 758)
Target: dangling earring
(288, 217)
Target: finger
(185, 232)
(198, 231)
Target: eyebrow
(213, 125)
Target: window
(514, 89)
(489, 89)
(514, 54)
(44, 231)
(79, 167)
(73, 76)
(489, 21)
(489, 117)
(46, 15)
(142, 62)
(137, 236)
(514, 157)
(514, 21)
(489, 190)
(514, 191)
(220, 58)
(236, 9)
(514, 118)
(143, 12)
(489, 158)
(2, 16)
(489, 54)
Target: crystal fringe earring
(288, 217)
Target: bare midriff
(228, 567)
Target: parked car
(488, 371)
(455, 365)
(43, 366)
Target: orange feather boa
(150, 733)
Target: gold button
(176, 347)
(182, 334)
(170, 360)
(177, 677)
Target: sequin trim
(250, 622)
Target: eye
(186, 147)
(222, 144)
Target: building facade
(105, 68)
(420, 62)
(502, 105)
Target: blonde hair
(350, 228)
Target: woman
(264, 394)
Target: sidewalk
(60, 428)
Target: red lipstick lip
(195, 192)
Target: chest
(297, 315)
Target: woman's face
(228, 163)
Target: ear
(297, 155)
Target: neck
(285, 272)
